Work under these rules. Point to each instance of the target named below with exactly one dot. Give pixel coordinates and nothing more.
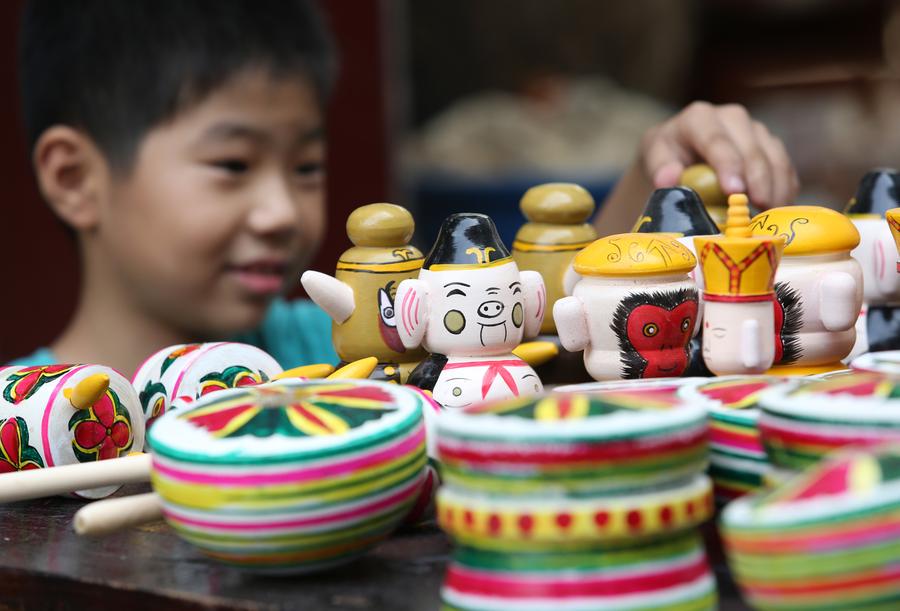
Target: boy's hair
(118, 68)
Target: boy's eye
(232, 166)
(311, 169)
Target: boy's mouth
(260, 277)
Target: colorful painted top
(286, 421)
(648, 393)
(808, 230)
(848, 483)
(880, 362)
(729, 393)
(867, 399)
(570, 417)
(635, 254)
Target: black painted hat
(878, 192)
(467, 240)
(676, 210)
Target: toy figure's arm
(535, 302)
(330, 294)
(838, 305)
(752, 347)
(411, 311)
(571, 324)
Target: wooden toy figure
(818, 288)
(55, 415)
(680, 212)
(878, 328)
(360, 296)
(634, 310)
(703, 180)
(556, 230)
(469, 308)
(893, 220)
(738, 312)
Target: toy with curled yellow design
(818, 287)
(893, 220)
(634, 310)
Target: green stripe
(776, 531)
(776, 568)
(503, 438)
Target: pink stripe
(415, 309)
(45, 422)
(749, 441)
(407, 298)
(391, 501)
(398, 450)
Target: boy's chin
(237, 318)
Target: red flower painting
(15, 453)
(102, 431)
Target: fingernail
(733, 184)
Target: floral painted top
(295, 333)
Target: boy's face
(223, 206)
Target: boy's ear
(72, 175)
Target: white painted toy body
(41, 427)
(738, 337)
(876, 255)
(830, 292)
(586, 321)
(474, 318)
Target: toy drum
(802, 423)
(290, 477)
(56, 415)
(186, 372)
(887, 362)
(826, 539)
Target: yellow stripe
(401, 266)
(448, 267)
(531, 247)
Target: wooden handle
(110, 515)
(39, 483)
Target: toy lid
(635, 254)
(703, 180)
(676, 210)
(381, 225)
(561, 203)
(652, 393)
(729, 393)
(867, 399)
(808, 230)
(843, 485)
(285, 421)
(467, 241)
(575, 416)
(887, 362)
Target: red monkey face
(654, 332)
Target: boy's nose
(274, 210)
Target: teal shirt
(294, 332)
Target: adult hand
(746, 157)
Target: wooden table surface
(44, 565)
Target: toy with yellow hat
(818, 287)
(360, 296)
(556, 230)
(470, 307)
(739, 275)
(634, 310)
(893, 221)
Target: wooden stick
(39, 483)
(109, 515)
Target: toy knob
(737, 224)
(384, 225)
(560, 203)
(88, 391)
(702, 179)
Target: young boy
(183, 143)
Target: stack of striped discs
(292, 476)
(572, 501)
(185, 372)
(802, 423)
(737, 458)
(826, 539)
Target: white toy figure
(878, 327)
(469, 308)
(634, 310)
(818, 288)
(738, 312)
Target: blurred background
(451, 106)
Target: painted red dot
(690, 508)
(526, 523)
(634, 519)
(601, 518)
(666, 515)
(494, 523)
(564, 520)
(468, 518)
